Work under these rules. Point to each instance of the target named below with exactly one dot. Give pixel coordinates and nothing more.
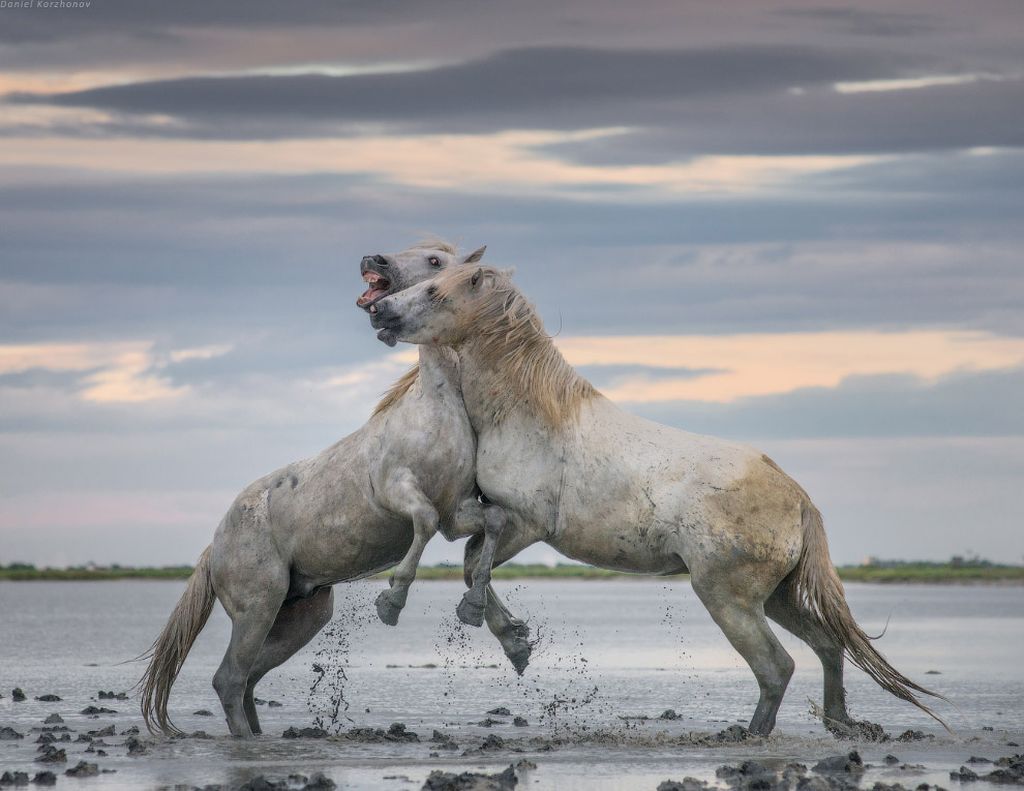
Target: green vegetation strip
(891, 572)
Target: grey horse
(369, 501)
(614, 490)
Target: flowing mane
(510, 339)
(397, 390)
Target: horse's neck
(482, 389)
(438, 368)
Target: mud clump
(858, 730)
(202, 713)
(913, 736)
(94, 711)
(397, 732)
(686, 784)
(500, 711)
(9, 734)
(851, 763)
(294, 782)
(304, 733)
(51, 755)
(45, 778)
(136, 746)
(471, 781)
(732, 734)
(18, 695)
(83, 769)
(1008, 771)
(49, 698)
(111, 695)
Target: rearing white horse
(614, 490)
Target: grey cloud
(958, 405)
(866, 22)
(551, 87)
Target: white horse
(614, 490)
(371, 500)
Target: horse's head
(390, 273)
(442, 310)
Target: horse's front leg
(474, 601)
(402, 494)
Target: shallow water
(609, 649)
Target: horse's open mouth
(379, 286)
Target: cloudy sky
(795, 223)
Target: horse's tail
(820, 591)
(168, 652)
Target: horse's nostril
(381, 261)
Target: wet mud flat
(630, 687)
(91, 744)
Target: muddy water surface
(611, 653)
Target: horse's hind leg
(252, 603)
(783, 608)
(296, 624)
(474, 601)
(743, 621)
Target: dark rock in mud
(669, 714)
(132, 731)
(99, 733)
(851, 763)
(686, 784)
(933, 672)
(520, 722)
(49, 698)
(9, 734)
(51, 755)
(136, 746)
(914, 736)
(95, 710)
(83, 769)
(492, 742)
(977, 759)
(198, 735)
(500, 711)
(471, 781)
(273, 704)
(112, 695)
(53, 719)
(305, 733)
(490, 723)
(17, 695)
(891, 760)
(45, 779)
(202, 713)
(14, 779)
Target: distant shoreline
(933, 573)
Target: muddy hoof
(387, 610)
(470, 613)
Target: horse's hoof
(386, 609)
(520, 657)
(470, 613)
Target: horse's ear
(473, 281)
(475, 256)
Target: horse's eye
(434, 260)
